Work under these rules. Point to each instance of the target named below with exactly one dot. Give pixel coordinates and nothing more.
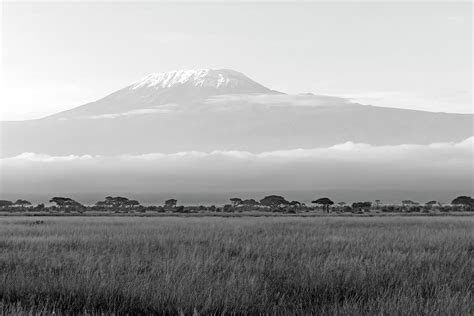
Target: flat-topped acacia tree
(236, 201)
(22, 203)
(274, 201)
(463, 200)
(325, 202)
(118, 202)
(67, 203)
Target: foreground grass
(333, 265)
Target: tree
(274, 201)
(361, 204)
(228, 208)
(171, 203)
(22, 203)
(66, 203)
(117, 202)
(432, 203)
(408, 202)
(5, 203)
(463, 200)
(132, 203)
(236, 201)
(325, 202)
(377, 204)
(102, 204)
(295, 204)
(250, 202)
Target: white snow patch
(215, 78)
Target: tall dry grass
(404, 265)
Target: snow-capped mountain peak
(183, 87)
(220, 79)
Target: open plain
(169, 265)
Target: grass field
(330, 265)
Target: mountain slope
(206, 110)
(175, 87)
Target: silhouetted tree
(117, 202)
(102, 204)
(377, 204)
(295, 204)
(236, 201)
(5, 203)
(463, 200)
(171, 203)
(228, 208)
(67, 203)
(132, 203)
(274, 201)
(250, 202)
(364, 205)
(22, 203)
(408, 203)
(432, 203)
(325, 202)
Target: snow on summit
(221, 79)
(151, 93)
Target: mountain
(207, 110)
(175, 87)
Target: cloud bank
(433, 167)
(348, 151)
(158, 109)
(306, 100)
(226, 102)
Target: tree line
(270, 203)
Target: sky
(56, 56)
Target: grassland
(326, 265)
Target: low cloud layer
(347, 166)
(309, 100)
(226, 102)
(348, 151)
(159, 109)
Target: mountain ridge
(176, 87)
(200, 110)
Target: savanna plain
(245, 265)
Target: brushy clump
(380, 265)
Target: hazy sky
(56, 56)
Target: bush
(180, 209)
(228, 208)
(413, 209)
